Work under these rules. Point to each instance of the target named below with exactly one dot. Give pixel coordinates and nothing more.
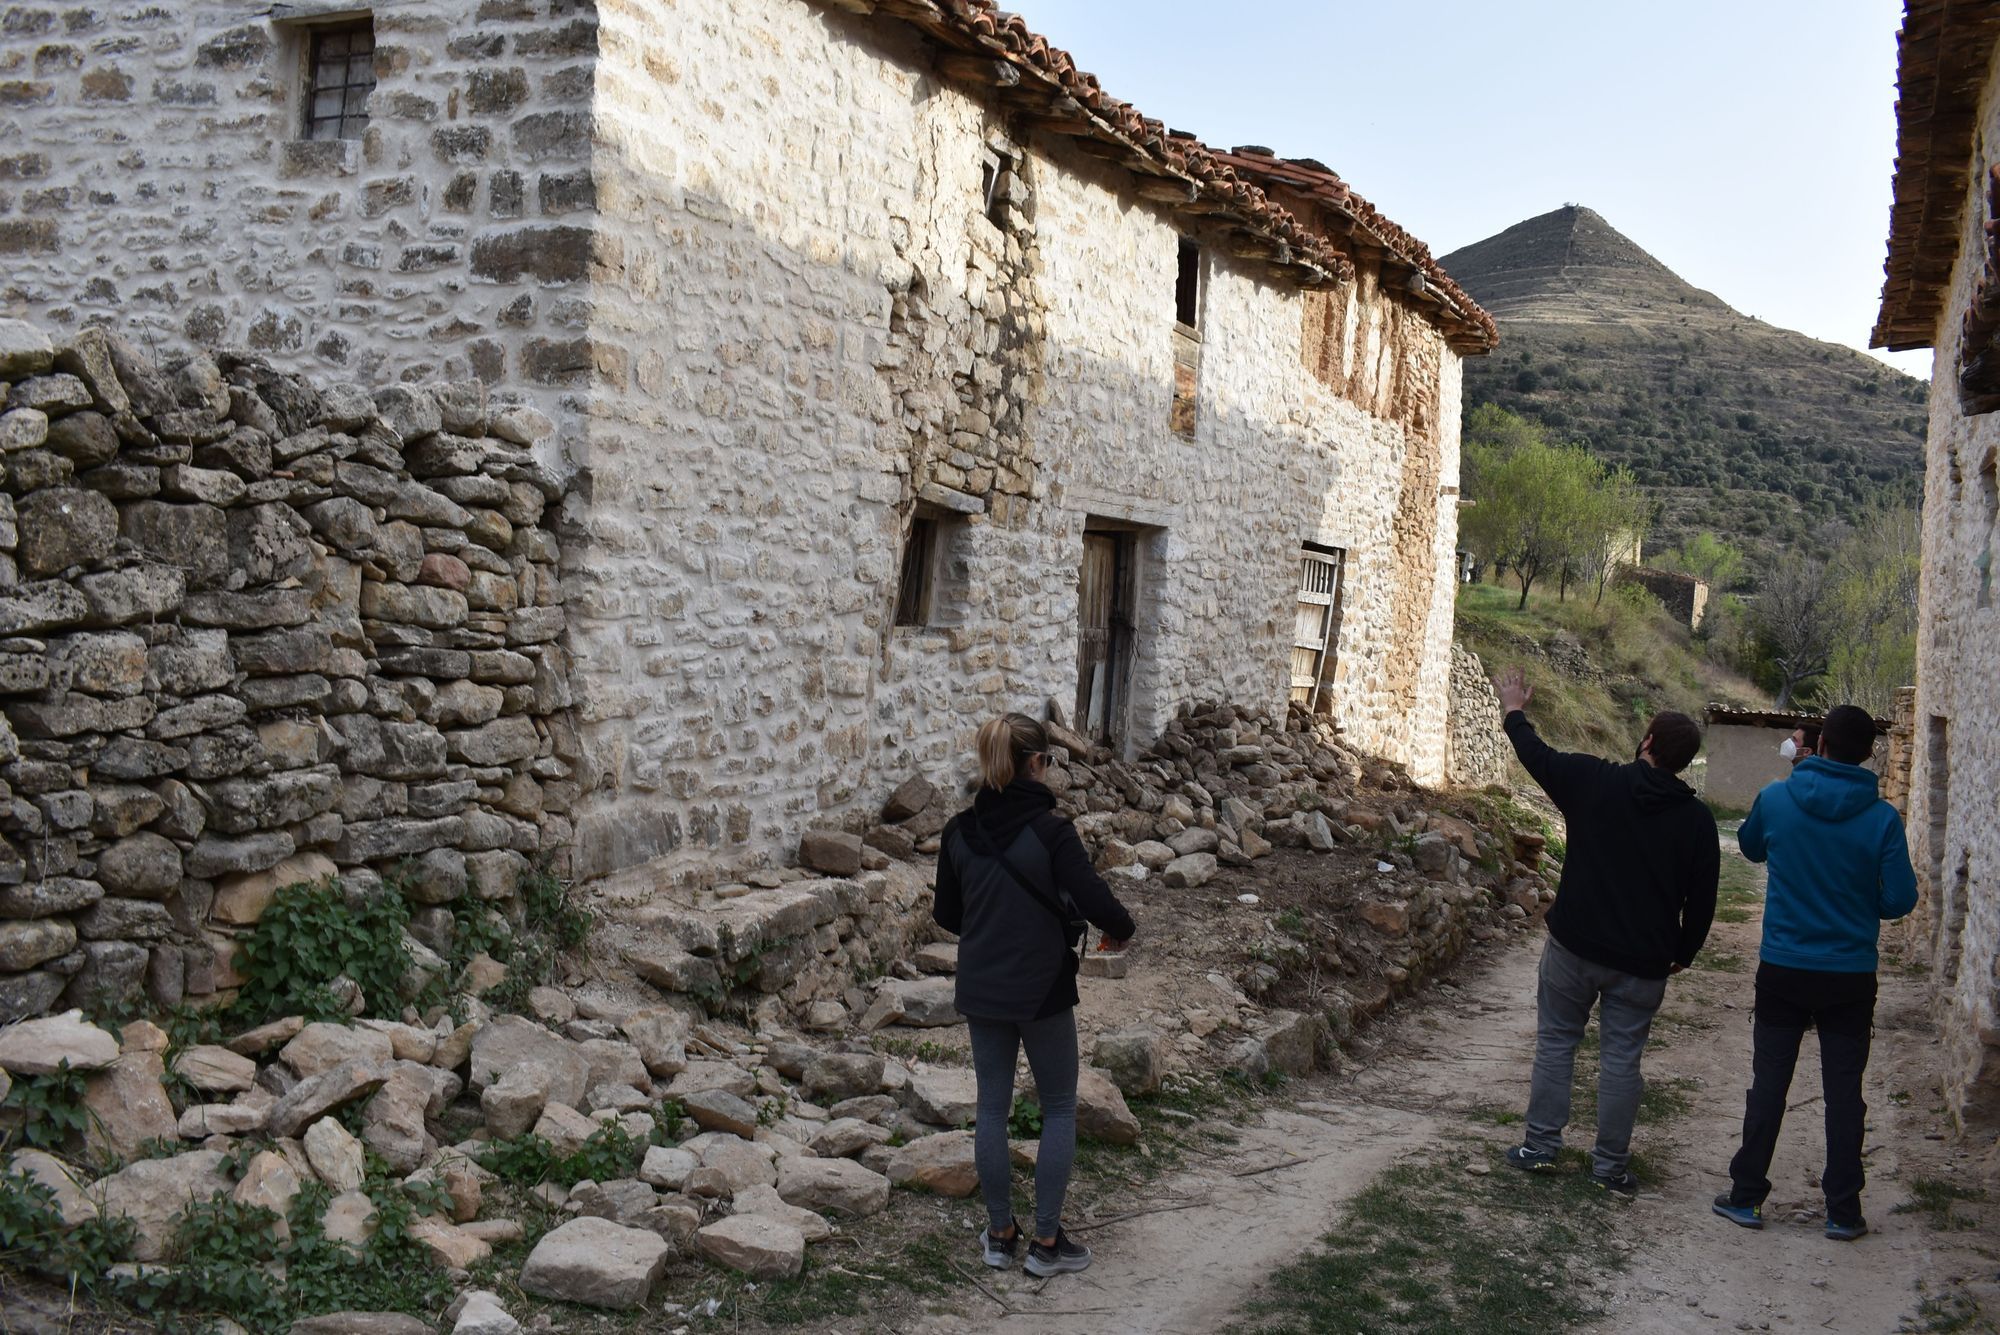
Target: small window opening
(913, 593)
(999, 184)
(1187, 285)
(340, 74)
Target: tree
(1543, 509)
(1875, 584)
(1793, 616)
(1708, 558)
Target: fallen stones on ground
(597, 1263)
(760, 1247)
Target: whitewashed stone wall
(1955, 768)
(780, 183)
(752, 277)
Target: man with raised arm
(1634, 905)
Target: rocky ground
(773, 1090)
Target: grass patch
(1643, 662)
(1945, 1314)
(1934, 1199)
(1428, 1249)
(922, 1050)
(1718, 961)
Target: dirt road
(1436, 1075)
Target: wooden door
(1104, 633)
(1315, 624)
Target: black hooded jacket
(1638, 884)
(1016, 961)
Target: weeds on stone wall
(222, 1253)
(34, 1238)
(48, 1109)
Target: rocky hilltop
(1734, 425)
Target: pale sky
(1746, 143)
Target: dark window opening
(1187, 285)
(913, 594)
(340, 74)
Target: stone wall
(1953, 822)
(1684, 596)
(744, 254)
(156, 180)
(1479, 746)
(260, 631)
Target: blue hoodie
(1839, 866)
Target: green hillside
(1757, 433)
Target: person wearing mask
(1635, 903)
(1803, 742)
(1839, 866)
(1016, 886)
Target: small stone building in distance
(1943, 292)
(899, 374)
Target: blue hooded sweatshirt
(1839, 866)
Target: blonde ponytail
(1003, 743)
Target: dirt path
(1438, 1073)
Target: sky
(1746, 145)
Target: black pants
(1789, 1002)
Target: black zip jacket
(1016, 960)
(1638, 886)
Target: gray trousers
(1051, 1047)
(1569, 986)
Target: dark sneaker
(1531, 1161)
(998, 1252)
(1847, 1232)
(1620, 1183)
(1065, 1258)
(1748, 1216)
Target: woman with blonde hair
(1014, 882)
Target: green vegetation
(1429, 1248)
(1544, 509)
(1934, 1199)
(49, 1108)
(1736, 892)
(1599, 672)
(33, 1237)
(310, 935)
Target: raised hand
(1514, 690)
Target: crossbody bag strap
(1071, 925)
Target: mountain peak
(1569, 264)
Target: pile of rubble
(257, 632)
(768, 1143)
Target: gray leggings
(1051, 1045)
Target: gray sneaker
(999, 1252)
(1065, 1258)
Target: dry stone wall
(1479, 749)
(259, 631)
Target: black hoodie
(1638, 883)
(1015, 959)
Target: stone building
(1943, 293)
(899, 374)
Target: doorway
(1105, 632)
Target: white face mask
(1788, 749)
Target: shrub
(310, 935)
